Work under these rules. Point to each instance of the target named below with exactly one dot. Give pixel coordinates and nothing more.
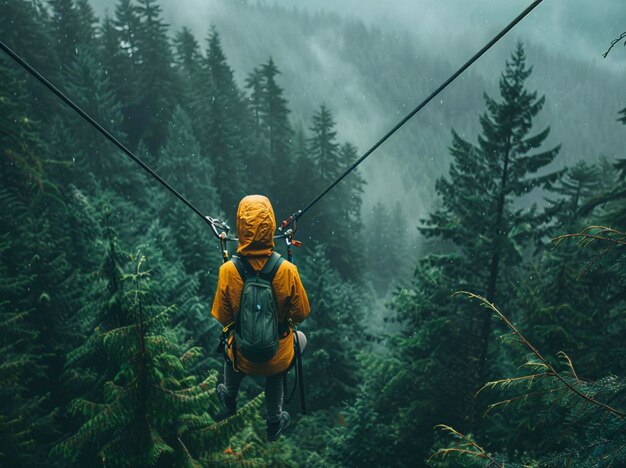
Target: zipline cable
(107, 134)
(294, 217)
(215, 224)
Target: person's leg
(274, 397)
(277, 419)
(232, 379)
(228, 390)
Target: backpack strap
(267, 272)
(244, 268)
(271, 267)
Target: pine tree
(221, 134)
(260, 167)
(339, 224)
(120, 58)
(349, 226)
(188, 59)
(590, 415)
(385, 241)
(22, 418)
(20, 144)
(186, 165)
(565, 304)
(323, 155)
(255, 85)
(88, 24)
(278, 132)
(335, 326)
(304, 172)
(561, 311)
(66, 26)
(148, 410)
(25, 27)
(323, 145)
(91, 154)
(486, 179)
(156, 79)
(20, 363)
(616, 212)
(406, 387)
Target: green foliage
(108, 358)
(18, 365)
(94, 367)
(334, 331)
(487, 232)
(593, 414)
(339, 224)
(223, 125)
(386, 241)
(19, 140)
(149, 409)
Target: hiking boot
(228, 402)
(276, 428)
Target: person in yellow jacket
(255, 229)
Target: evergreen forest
(503, 343)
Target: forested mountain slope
(107, 280)
(372, 75)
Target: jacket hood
(255, 226)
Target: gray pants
(273, 385)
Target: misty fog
(372, 62)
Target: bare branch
(614, 43)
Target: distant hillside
(371, 77)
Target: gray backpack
(257, 330)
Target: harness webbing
(100, 128)
(408, 117)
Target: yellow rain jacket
(255, 230)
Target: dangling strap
(299, 381)
(299, 373)
(234, 345)
(295, 383)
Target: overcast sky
(581, 28)
(571, 27)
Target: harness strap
(234, 346)
(224, 337)
(299, 381)
(299, 374)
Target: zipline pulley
(288, 235)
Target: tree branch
(614, 43)
(539, 356)
(465, 447)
